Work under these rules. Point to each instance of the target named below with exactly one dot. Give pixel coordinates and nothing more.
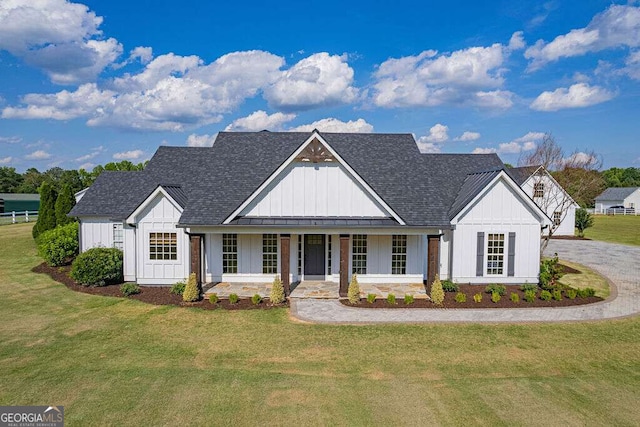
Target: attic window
(315, 152)
(538, 189)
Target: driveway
(619, 263)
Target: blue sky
(88, 83)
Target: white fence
(616, 211)
(16, 217)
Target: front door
(314, 255)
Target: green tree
(47, 212)
(32, 179)
(619, 177)
(72, 179)
(64, 202)
(584, 220)
(10, 180)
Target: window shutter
(511, 269)
(480, 256)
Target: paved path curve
(619, 263)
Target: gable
(159, 209)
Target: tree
(32, 179)
(277, 296)
(47, 212)
(10, 180)
(353, 292)
(584, 220)
(437, 292)
(619, 177)
(64, 202)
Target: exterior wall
(446, 246)
(160, 216)
(129, 253)
(314, 190)
(555, 199)
(500, 210)
(95, 232)
(603, 205)
(633, 200)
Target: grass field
(113, 361)
(615, 229)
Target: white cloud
(619, 25)
(260, 120)
(467, 136)
(632, 65)
(479, 150)
(94, 153)
(470, 76)
(60, 37)
(87, 166)
(6, 160)
(428, 147)
(516, 42)
(38, 155)
(335, 125)
(578, 95)
(524, 143)
(10, 139)
(318, 80)
(437, 133)
(580, 158)
(205, 140)
(129, 155)
(142, 53)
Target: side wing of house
(633, 200)
(553, 200)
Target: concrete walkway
(619, 263)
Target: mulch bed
(470, 291)
(158, 295)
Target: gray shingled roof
(214, 182)
(521, 174)
(472, 186)
(616, 193)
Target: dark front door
(314, 255)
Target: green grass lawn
(615, 229)
(113, 361)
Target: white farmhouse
(628, 197)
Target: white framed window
(495, 254)
(269, 253)
(538, 189)
(118, 236)
(398, 254)
(329, 254)
(359, 254)
(163, 246)
(230, 253)
(557, 218)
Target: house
(17, 202)
(629, 197)
(545, 191)
(315, 206)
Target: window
(538, 189)
(359, 254)
(399, 254)
(163, 246)
(495, 254)
(230, 253)
(329, 254)
(300, 237)
(269, 253)
(118, 239)
(557, 218)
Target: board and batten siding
(553, 200)
(98, 232)
(500, 211)
(315, 190)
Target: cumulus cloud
(470, 76)
(334, 125)
(619, 25)
(144, 54)
(61, 38)
(205, 140)
(578, 95)
(38, 155)
(6, 160)
(479, 150)
(129, 155)
(318, 80)
(526, 142)
(432, 143)
(467, 136)
(260, 120)
(93, 154)
(632, 65)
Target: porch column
(433, 258)
(196, 257)
(285, 250)
(344, 265)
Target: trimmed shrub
(276, 296)
(529, 287)
(571, 293)
(391, 299)
(477, 297)
(213, 298)
(98, 267)
(586, 292)
(256, 299)
(191, 290)
(60, 245)
(371, 298)
(461, 297)
(495, 297)
(530, 295)
(233, 298)
(545, 295)
(408, 299)
(353, 292)
(515, 298)
(178, 288)
(550, 273)
(494, 287)
(557, 295)
(129, 289)
(450, 286)
(437, 293)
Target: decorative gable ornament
(315, 152)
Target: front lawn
(623, 229)
(122, 362)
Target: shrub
(391, 299)
(276, 296)
(256, 299)
(178, 288)
(550, 273)
(371, 298)
(530, 295)
(129, 289)
(450, 286)
(47, 212)
(515, 298)
(408, 299)
(477, 297)
(584, 220)
(494, 287)
(233, 298)
(545, 295)
(64, 202)
(353, 293)
(60, 245)
(191, 290)
(98, 267)
(571, 293)
(213, 298)
(461, 297)
(529, 287)
(495, 297)
(437, 293)
(557, 294)
(586, 292)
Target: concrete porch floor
(316, 290)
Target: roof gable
(617, 193)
